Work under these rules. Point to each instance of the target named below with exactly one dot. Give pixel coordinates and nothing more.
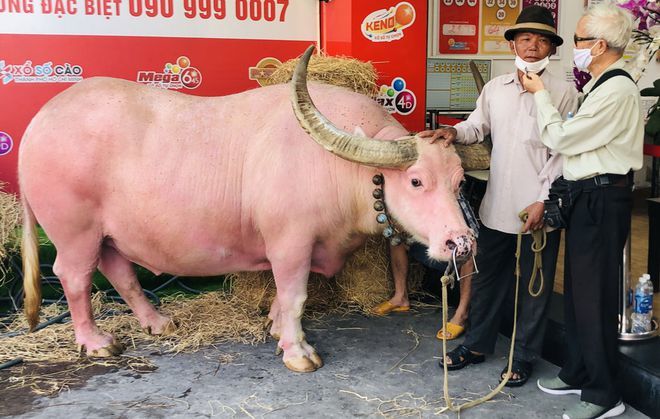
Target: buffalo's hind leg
(76, 278)
(119, 271)
(291, 273)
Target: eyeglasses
(577, 39)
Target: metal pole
(625, 291)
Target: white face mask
(525, 66)
(582, 57)
(535, 67)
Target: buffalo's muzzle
(461, 246)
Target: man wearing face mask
(601, 147)
(521, 172)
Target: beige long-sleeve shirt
(521, 167)
(605, 136)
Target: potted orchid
(652, 127)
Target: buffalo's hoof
(169, 329)
(113, 349)
(304, 364)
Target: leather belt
(607, 179)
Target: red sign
(392, 35)
(459, 26)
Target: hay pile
(353, 74)
(202, 321)
(10, 219)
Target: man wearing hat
(521, 172)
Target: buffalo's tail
(31, 275)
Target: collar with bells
(394, 233)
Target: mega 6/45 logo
(386, 25)
(178, 75)
(396, 98)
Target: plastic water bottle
(643, 310)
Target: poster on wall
(200, 47)
(496, 17)
(458, 26)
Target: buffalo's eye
(416, 183)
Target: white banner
(294, 20)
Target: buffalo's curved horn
(400, 153)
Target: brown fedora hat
(535, 19)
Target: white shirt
(605, 136)
(521, 167)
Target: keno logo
(396, 98)
(178, 75)
(6, 143)
(387, 25)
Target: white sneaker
(586, 410)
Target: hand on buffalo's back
(446, 133)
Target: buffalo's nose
(462, 246)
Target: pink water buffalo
(116, 172)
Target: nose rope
(456, 267)
(447, 279)
(539, 243)
(540, 239)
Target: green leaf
(652, 91)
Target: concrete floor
(365, 375)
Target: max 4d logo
(396, 98)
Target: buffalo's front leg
(291, 272)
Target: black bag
(558, 206)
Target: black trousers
(496, 281)
(597, 232)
